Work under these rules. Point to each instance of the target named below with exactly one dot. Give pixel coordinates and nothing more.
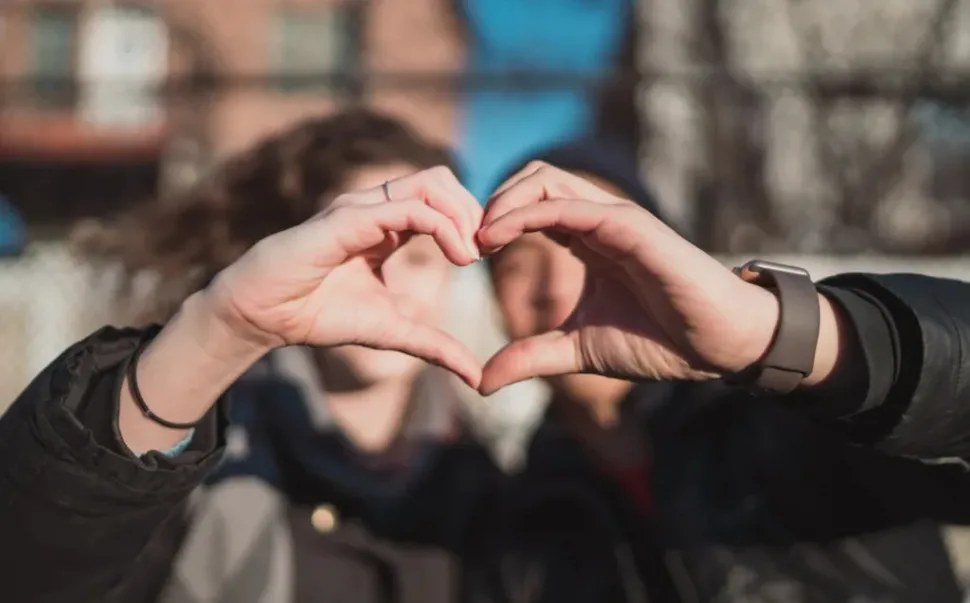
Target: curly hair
(184, 241)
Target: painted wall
(500, 126)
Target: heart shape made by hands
(653, 306)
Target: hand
(654, 306)
(320, 284)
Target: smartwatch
(791, 354)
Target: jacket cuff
(202, 441)
(876, 339)
(925, 412)
(84, 382)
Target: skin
(331, 282)
(318, 284)
(654, 306)
(538, 283)
(368, 390)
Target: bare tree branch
(882, 170)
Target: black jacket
(76, 514)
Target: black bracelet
(136, 393)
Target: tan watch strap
(791, 354)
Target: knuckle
(431, 179)
(412, 204)
(344, 213)
(415, 208)
(549, 172)
(557, 181)
(441, 172)
(433, 188)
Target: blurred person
(734, 498)
(506, 420)
(102, 451)
(360, 443)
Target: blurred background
(837, 131)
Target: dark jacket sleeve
(914, 333)
(76, 512)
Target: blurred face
(418, 276)
(538, 284)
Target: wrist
(181, 374)
(765, 306)
(222, 332)
(217, 303)
(765, 309)
(831, 348)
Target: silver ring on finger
(387, 191)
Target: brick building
(102, 102)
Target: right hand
(320, 284)
(653, 307)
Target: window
(312, 45)
(51, 55)
(123, 58)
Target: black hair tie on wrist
(136, 393)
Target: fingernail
(473, 250)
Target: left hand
(654, 306)
(320, 283)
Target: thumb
(432, 345)
(551, 353)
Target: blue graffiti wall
(566, 37)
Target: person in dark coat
(339, 461)
(712, 494)
(102, 452)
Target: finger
(545, 355)
(358, 229)
(455, 194)
(530, 168)
(569, 216)
(419, 218)
(440, 189)
(544, 183)
(377, 255)
(526, 186)
(435, 346)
